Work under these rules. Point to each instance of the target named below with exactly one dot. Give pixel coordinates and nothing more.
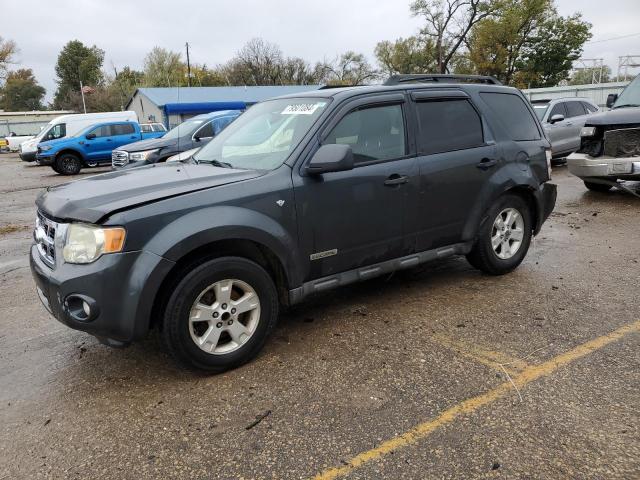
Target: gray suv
(562, 119)
(299, 195)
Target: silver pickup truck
(610, 143)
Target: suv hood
(149, 144)
(93, 198)
(621, 116)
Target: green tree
(164, 68)
(549, 55)
(21, 92)
(8, 49)
(586, 76)
(415, 54)
(76, 63)
(528, 43)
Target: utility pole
(188, 66)
(84, 105)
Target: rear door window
(513, 114)
(574, 109)
(448, 125)
(373, 133)
(123, 129)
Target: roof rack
(440, 77)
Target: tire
(68, 164)
(506, 256)
(597, 187)
(180, 335)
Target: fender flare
(205, 226)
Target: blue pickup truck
(90, 147)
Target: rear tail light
(547, 152)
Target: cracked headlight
(87, 243)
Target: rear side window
(575, 109)
(373, 133)
(146, 128)
(448, 125)
(514, 115)
(122, 129)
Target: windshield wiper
(218, 163)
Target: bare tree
(350, 68)
(8, 49)
(448, 23)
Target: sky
(215, 29)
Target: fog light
(86, 308)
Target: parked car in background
(192, 133)
(69, 125)
(299, 195)
(90, 147)
(562, 119)
(610, 143)
(152, 127)
(14, 141)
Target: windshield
(540, 109)
(264, 135)
(630, 96)
(184, 129)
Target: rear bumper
(545, 198)
(27, 156)
(584, 166)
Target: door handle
(133, 137)
(109, 140)
(396, 179)
(486, 163)
(569, 124)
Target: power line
(614, 38)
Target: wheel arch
(250, 249)
(71, 151)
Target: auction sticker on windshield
(301, 108)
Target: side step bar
(297, 295)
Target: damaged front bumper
(585, 166)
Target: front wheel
(504, 238)
(220, 314)
(68, 164)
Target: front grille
(119, 158)
(622, 143)
(45, 237)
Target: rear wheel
(597, 187)
(504, 238)
(68, 164)
(220, 314)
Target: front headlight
(143, 155)
(44, 148)
(588, 131)
(86, 243)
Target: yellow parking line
(470, 405)
(490, 358)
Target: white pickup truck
(14, 142)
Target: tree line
(523, 43)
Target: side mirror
(611, 99)
(558, 117)
(331, 158)
(90, 136)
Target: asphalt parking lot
(438, 372)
